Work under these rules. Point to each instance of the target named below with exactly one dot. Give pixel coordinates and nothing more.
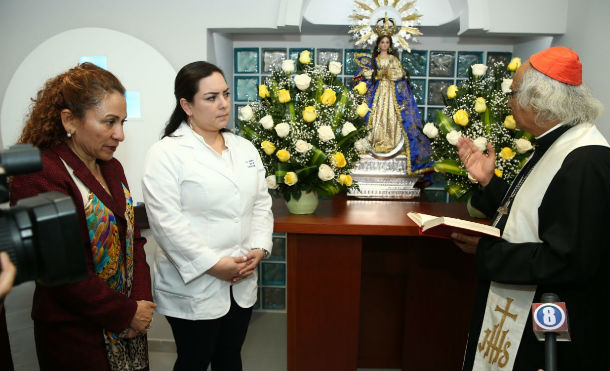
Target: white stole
(508, 306)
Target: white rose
(302, 81)
(506, 84)
(288, 65)
(347, 128)
(325, 172)
(271, 182)
(302, 146)
(266, 122)
(362, 145)
(481, 143)
(334, 67)
(453, 137)
(246, 113)
(282, 129)
(523, 145)
(430, 130)
(479, 70)
(325, 133)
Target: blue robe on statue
(393, 118)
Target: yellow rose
(328, 97)
(305, 57)
(498, 173)
(284, 96)
(268, 147)
(452, 91)
(345, 180)
(514, 64)
(362, 110)
(507, 153)
(291, 178)
(309, 114)
(461, 117)
(263, 92)
(283, 155)
(509, 122)
(339, 159)
(360, 88)
(480, 105)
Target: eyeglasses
(511, 94)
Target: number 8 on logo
(549, 316)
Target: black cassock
(572, 261)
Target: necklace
(99, 177)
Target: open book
(443, 226)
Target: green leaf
(329, 189)
(319, 88)
(445, 124)
(340, 106)
(306, 171)
(281, 169)
(318, 156)
(450, 166)
(341, 142)
(247, 132)
(296, 193)
(487, 120)
(520, 134)
(290, 115)
(456, 190)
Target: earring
(69, 134)
(378, 50)
(390, 50)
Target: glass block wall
(272, 278)
(431, 70)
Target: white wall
(587, 33)
(177, 29)
(139, 67)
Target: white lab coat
(201, 210)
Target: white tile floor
(264, 348)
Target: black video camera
(41, 234)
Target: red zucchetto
(559, 63)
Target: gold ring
(467, 157)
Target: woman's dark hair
(394, 53)
(79, 89)
(186, 86)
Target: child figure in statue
(393, 119)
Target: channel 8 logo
(549, 316)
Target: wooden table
(364, 290)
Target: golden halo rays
(374, 18)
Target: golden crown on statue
(383, 27)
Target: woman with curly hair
(99, 323)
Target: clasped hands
(140, 323)
(235, 268)
(481, 167)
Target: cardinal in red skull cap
(554, 222)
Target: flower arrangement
(478, 109)
(308, 128)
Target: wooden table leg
(323, 309)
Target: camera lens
(18, 245)
(42, 238)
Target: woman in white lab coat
(209, 210)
